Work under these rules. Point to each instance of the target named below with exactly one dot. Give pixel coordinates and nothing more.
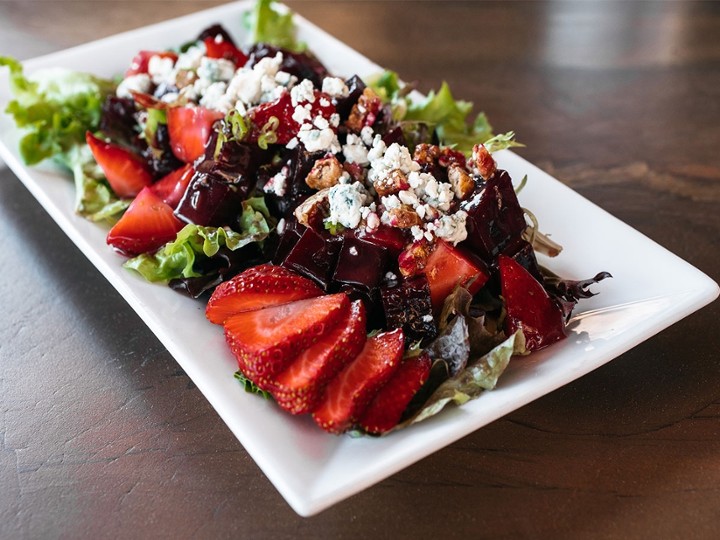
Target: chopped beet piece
(314, 256)
(213, 32)
(117, 120)
(408, 306)
(394, 135)
(209, 200)
(391, 238)
(302, 65)
(288, 239)
(344, 105)
(361, 264)
(495, 218)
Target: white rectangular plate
(651, 289)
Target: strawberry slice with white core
(386, 409)
(348, 394)
(298, 389)
(265, 341)
(146, 225)
(257, 288)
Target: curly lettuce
(449, 117)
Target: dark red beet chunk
(314, 257)
(302, 65)
(344, 105)
(360, 263)
(524, 254)
(408, 306)
(496, 220)
(391, 238)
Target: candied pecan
(395, 181)
(484, 161)
(365, 111)
(412, 259)
(426, 154)
(184, 78)
(313, 210)
(404, 217)
(462, 183)
(325, 173)
(448, 156)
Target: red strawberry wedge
(265, 341)
(190, 129)
(126, 173)
(528, 306)
(386, 409)
(171, 187)
(299, 388)
(257, 288)
(348, 394)
(147, 224)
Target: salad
(366, 257)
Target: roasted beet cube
(391, 238)
(210, 201)
(314, 257)
(408, 306)
(288, 239)
(344, 105)
(360, 263)
(302, 65)
(495, 218)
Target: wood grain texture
(102, 435)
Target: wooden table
(103, 435)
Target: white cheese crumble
(394, 157)
(215, 69)
(161, 70)
(367, 135)
(136, 83)
(335, 87)
(346, 202)
(302, 92)
(190, 59)
(316, 140)
(355, 151)
(278, 183)
(451, 228)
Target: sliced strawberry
(171, 187)
(450, 266)
(126, 172)
(224, 49)
(282, 110)
(265, 341)
(528, 306)
(348, 394)
(298, 389)
(147, 224)
(386, 409)
(190, 129)
(141, 60)
(257, 288)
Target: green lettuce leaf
(177, 258)
(55, 108)
(267, 24)
(471, 382)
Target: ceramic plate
(651, 289)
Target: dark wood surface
(102, 434)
